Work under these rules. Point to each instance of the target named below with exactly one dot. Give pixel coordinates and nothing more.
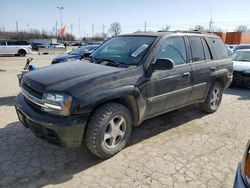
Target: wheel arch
(129, 97)
(220, 76)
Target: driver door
(168, 89)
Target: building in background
(235, 37)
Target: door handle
(212, 68)
(186, 74)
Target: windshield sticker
(139, 50)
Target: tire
(214, 98)
(108, 130)
(21, 53)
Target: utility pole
(79, 27)
(93, 28)
(17, 26)
(211, 20)
(145, 26)
(60, 9)
(211, 24)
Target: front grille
(32, 91)
(33, 105)
(237, 74)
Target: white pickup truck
(13, 47)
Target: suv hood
(62, 76)
(241, 65)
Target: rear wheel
(21, 52)
(108, 130)
(213, 99)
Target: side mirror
(86, 55)
(162, 64)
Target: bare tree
(241, 28)
(115, 29)
(199, 28)
(166, 28)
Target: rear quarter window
(219, 48)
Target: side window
(11, 43)
(174, 49)
(206, 50)
(21, 43)
(219, 47)
(196, 49)
(2, 43)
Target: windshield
(80, 50)
(128, 50)
(241, 56)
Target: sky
(131, 14)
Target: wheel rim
(115, 131)
(215, 98)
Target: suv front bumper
(65, 131)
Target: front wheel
(108, 130)
(213, 100)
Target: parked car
(78, 53)
(241, 65)
(56, 45)
(78, 44)
(241, 47)
(36, 45)
(242, 177)
(128, 79)
(12, 47)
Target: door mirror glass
(162, 64)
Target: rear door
(202, 65)
(168, 89)
(3, 47)
(12, 48)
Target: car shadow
(242, 92)
(28, 159)
(7, 101)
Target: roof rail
(192, 31)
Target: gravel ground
(184, 148)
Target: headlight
(245, 166)
(57, 103)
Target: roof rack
(192, 31)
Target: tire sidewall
(100, 142)
(21, 53)
(218, 86)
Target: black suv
(128, 79)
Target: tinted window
(196, 49)
(220, 48)
(206, 49)
(21, 43)
(2, 43)
(174, 49)
(11, 43)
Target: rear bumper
(238, 181)
(64, 131)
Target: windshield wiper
(110, 60)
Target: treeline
(33, 34)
